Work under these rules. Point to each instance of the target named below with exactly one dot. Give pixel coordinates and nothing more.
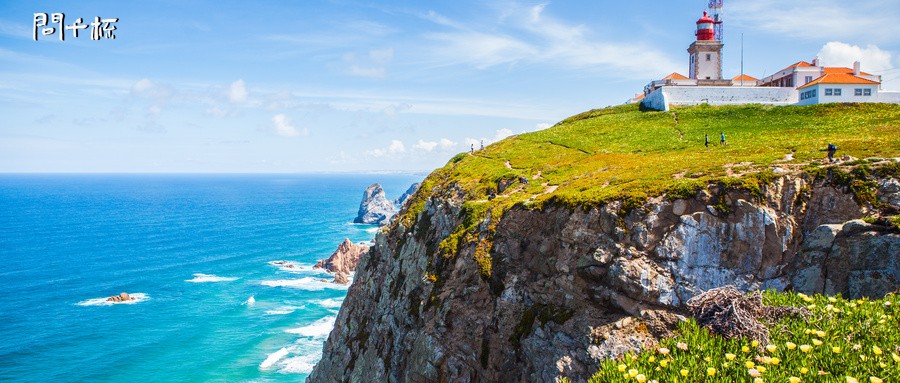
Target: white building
(802, 83)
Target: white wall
(719, 95)
(889, 96)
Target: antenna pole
(742, 58)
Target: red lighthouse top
(705, 28)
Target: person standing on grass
(722, 142)
(831, 149)
(707, 140)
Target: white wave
(318, 329)
(283, 310)
(296, 267)
(273, 358)
(302, 364)
(305, 283)
(329, 303)
(206, 278)
(373, 229)
(138, 297)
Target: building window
(790, 81)
(867, 92)
(857, 92)
(837, 91)
(829, 91)
(708, 57)
(808, 79)
(812, 93)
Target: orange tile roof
(798, 64)
(744, 77)
(839, 78)
(834, 69)
(675, 76)
(640, 97)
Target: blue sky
(345, 86)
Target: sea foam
(138, 297)
(273, 358)
(295, 267)
(207, 278)
(305, 283)
(329, 303)
(283, 310)
(318, 329)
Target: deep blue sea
(193, 249)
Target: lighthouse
(706, 53)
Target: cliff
(597, 254)
(343, 261)
(374, 208)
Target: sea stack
(343, 261)
(375, 208)
(408, 193)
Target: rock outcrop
(123, 297)
(375, 208)
(343, 261)
(408, 193)
(539, 294)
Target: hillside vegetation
(625, 153)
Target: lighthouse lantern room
(706, 52)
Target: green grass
(859, 339)
(622, 152)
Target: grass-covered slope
(840, 341)
(625, 153)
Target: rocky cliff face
(408, 193)
(375, 207)
(539, 294)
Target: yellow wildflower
(804, 370)
(895, 357)
(730, 356)
(652, 359)
(832, 299)
(876, 350)
(851, 379)
(775, 361)
(805, 347)
(875, 379)
(836, 350)
(758, 380)
(794, 379)
(790, 345)
(745, 349)
(754, 343)
(882, 364)
(632, 373)
(771, 348)
(663, 362)
(622, 367)
(749, 364)
(684, 372)
(707, 359)
(820, 333)
(711, 371)
(817, 342)
(640, 378)
(761, 368)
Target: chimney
(815, 61)
(856, 68)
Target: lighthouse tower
(706, 53)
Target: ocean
(192, 249)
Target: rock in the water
(375, 207)
(408, 193)
(123, 297)
(341, 278)
(344, 259)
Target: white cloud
(284, 127)
(381, 56)
(529, 35)
(237, 92)
(373, 65)
(396, 147)
(446, 144)
(871, 58)
(542, 126)
(819, 19)
(425, 145)
(148, 88)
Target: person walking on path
(831, 149)
(707, 140)
(722, 142)
(472, 149)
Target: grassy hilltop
(621, 151)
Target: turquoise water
(194, 249)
